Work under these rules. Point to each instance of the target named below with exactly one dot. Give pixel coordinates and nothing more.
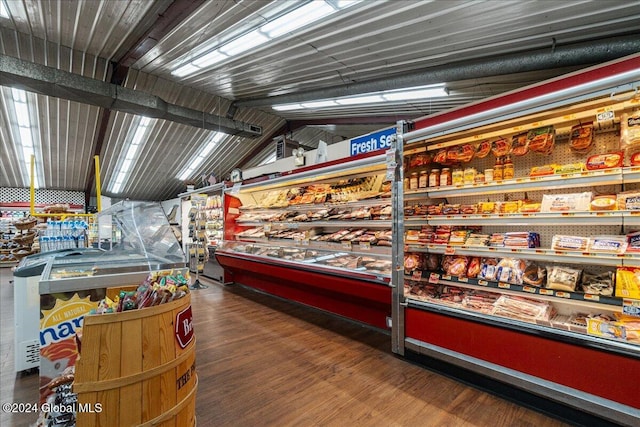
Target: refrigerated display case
(521, 261)
(321, 237)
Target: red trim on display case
(550, 86)
(600, 373)
(344, 295)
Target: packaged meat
(465, 153)
(569, 243)
(510, 270)
(635, 159)
(510, 207)
(520, 144)
(563, 278)
(581, 138)
(608, 244)
(501, 147)
(432, 262)
(483, 149)
(529, 206)
(487, 208)
(633, 241)
(605, 161)
(629, 200)
(520, 308)
(542, 170)
(566, 202)
(455, 265)
(473, 269)
(542, 140)
(597, 284)
(604, 203)
(412, 262)
(468, 209)
(488, 269)
(419, 159)
(534, 275)
(628, 282)
(570, 168)
(480, 301)
(630, 130)
(451, 209)
(441, 156)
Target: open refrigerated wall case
(567, 345)
(321, 236)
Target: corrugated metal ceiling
(370, 41)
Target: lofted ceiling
(476, 48)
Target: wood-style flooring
(266, 362)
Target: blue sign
(380, 140)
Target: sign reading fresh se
(380, 140)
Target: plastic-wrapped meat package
(455, 265)
(563, 278)
(597, 284)
(432, 262)
(480, 301)
(473, 268)
(520, 308)
(452, 295)
(488, 269)
(412, 262)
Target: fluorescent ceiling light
(22, 114)
(132, 148)
(287, 107)
(415, 93)
(298, 18)
(244, 43)
(185, 70)
(319, 104)
(368, 99)
(3, 10)
(205, 151)
(306, 14)
(209, 59)
(421, 92)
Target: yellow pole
(32, 185)
(98, 187)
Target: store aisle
(266, 362)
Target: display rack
(197, 249)
(458, 318)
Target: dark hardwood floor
(266, 362)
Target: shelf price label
(503, 285)
(483, 283)
(592, 297)
(463, 279)
(548, 292)
(346, 246)
(434, 278)
(563, 295)
(449, 251)
(605, 115)
(365, 246)
(530, 289)
(446, 277)
(417, 275)
(631, 307)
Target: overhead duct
(49, 81)
(573, 55)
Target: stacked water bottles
(68, 234)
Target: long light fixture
(4, 13)
(24, 138)
(396, 95)
(132, 152)
(205, 151)
(302, 16)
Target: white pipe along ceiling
(163, 90)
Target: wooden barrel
(139, 366)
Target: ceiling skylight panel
(298, 18)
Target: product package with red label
(581, 138)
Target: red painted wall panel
(612, 376)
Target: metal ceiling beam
(49, 81)
(578, 54)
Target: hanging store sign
(380, 140)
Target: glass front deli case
(521, 261)
(321, 237)
(141, 242)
